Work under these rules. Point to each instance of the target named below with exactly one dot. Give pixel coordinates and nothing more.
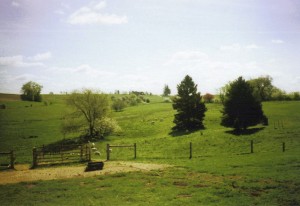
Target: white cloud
(11, 60)
(277, 41)
(41, 57)
(15, 4)
(252, 46)
(17, 61)
(21, 61)
(186, 56)
(237, 47)
(92, 14)
(98, 6)
(82, 71)
(210, 72)
(23, 77)
(233, 47)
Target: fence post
(86, 152)
(107, 152)
(90, 154)
(12, 160)
(81, 153)
(191, 152)
(43, 150)
(251, 145)
(134, 150)
(61, 153)
(283, 146)
(34, 157)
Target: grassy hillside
(221, 172)
(9, 97)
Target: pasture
(222, 171)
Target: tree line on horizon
(241, 100)
(263, 90)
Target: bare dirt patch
(22, 173)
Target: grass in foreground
(221, 172)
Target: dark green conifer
(241, 108)
(190, 109)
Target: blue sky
(144, 44)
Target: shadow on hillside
(70, 143)
(245, 132)
(183, 133)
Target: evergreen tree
(190, 109)
(167, 91)
(241, 108)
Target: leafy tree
(31, 91)
(222, 92)
(208, 98)
(89, 109)
(167, 91)
(241, 108)
(296, 96)
(278, 94)
(190, 109)
(262, 87)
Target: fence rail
(60, 154)
(108, 149)
(191, 150)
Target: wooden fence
(190, 150)
(60, 154)
(109, 147)
(11, 162)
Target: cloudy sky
(144, 44)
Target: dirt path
(22, 173)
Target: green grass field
(221, 172)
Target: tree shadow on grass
(70, 144)
(245, 132)
(186, 132)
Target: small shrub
(118, 105)
(167, 100)
(106, 126)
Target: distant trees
(296, 95)
(120, 102)
(241, 108)
(281, 95)
(265, 91)
(90, 111)
(167, 91)
(208, 98)
(31, 91)
(190, 109)
(222, 92)
(262, 87)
